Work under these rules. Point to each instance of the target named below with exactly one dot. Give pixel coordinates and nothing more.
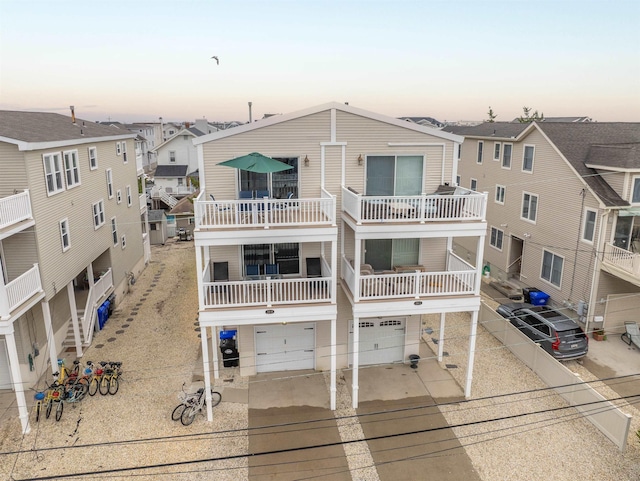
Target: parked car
(556, 333)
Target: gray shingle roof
(502, 130)
(575, 140)
(156, 215)
(196, 132)
(50, 127)
(618, 156)
(171, 171)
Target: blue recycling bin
(103, 312)
(539, 298)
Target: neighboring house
(424, 121)
(205, 126)
(564, 211)
(157, 227)
(183, 213)
(71, 228)
(336, 266)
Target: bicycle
(114, 382)
(185, 398)
(96, 378)
(105, 378)
(39, 407)
(55, 394)
(196, 405)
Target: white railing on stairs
(99, 289)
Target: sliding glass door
(286, 256)
(279, 184)
(394, 174)
(385, 254)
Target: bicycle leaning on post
(196, 404)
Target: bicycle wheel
(38, 409)
(49, 406)
(104, 385)
(93, 386)
(177, 412)
(188, 415)
(114, 384)
(59, 409)
(79, 391)
(216, 397)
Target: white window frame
(118, 148)
(49, 160)
(124, 241)
(172, 161)
(535, 216)
(124, 152)
(497, 151)
(98, 214)
(65, 235)
(504, 150)
(586, 223)
(71, 168)
(93, 158)
(109, 174)
(129, 197)
(473, 184)
(480, 152)
(500, 189)
(118, 196)
(496, 241)
(554, 256)
(634, 180)
(114, 231)
(524, 156)
(458, 180)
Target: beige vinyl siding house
(49, 244)
(340, 157)
(580, 175)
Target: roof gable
(277, 119)
(171, 171)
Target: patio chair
(632, 334)
(252, 271)
(261, 194)
(313, 267)
(245, 208)
(271, 270)
(218, 208)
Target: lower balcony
(15, 213)
(412, 282)
(18, 291)
(621, 262)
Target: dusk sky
(137, 60)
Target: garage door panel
(285, 347)
(381, 341)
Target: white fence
(604, 415)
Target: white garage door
(285, 347)
(381, 341)
(5, 373)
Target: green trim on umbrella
(256, 162)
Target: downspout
(595, 278)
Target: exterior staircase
(168, 199)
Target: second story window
(529, 206)
(64, 235)
(71, 168)
(110, 183)
(474, 184)
(500, 194)
(114, 231)
(497, 236)
(98, 214)
(480, 149)
(129, 198)
(506, 155)
(172, 156)
(53, 173)
(124, 152)
(527, 158)
(118, 196)
(496, 151)
(118, 148)
(93, 158)
(589, 229)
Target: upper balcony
(412, 282)
(622, 263)
(462, 205)
(265, 213)
(15, 214)
(19, 291)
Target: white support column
(334, 271)
(472, 352)
(199, 280)
(333, 389)
(214, 351)
(74, 319)
(479, 266)
(51, 342)
(14, 365)
(357, 261)
(4, 300)
(355, 348)
(205, 372)
(90, 276)
(441, 337)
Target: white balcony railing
(14, 209)
(458, 279)
(20, 289)
(467, 205)
(622, 259)
(142, 199)
(265, 212)
(267, 292)
(96, 292)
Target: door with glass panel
(385, 254)
(278, 184)
(394, 174)
(286, 256)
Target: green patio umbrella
(255, 162)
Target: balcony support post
(479, 266)
(205, 371)
(14, 365)
(333, 389)
(354, 349)
(441, 336)
(51, 341)
(472, 352)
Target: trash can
(112, 303)
(539, 298)
(230, 355)
(526, 293)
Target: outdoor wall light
(360, 159)
(306, 160)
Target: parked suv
(558, 334)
